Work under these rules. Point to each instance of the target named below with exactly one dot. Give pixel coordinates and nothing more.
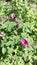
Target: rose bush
(18, 32)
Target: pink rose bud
(19, 22)
(13, 16)
(1, 36)
(24, 42)
(0, 17)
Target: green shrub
(11, 51)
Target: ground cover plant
(18, 32)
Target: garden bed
(18, 32)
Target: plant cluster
(18, 32)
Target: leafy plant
(12, 31)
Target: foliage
(11, 51)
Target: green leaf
(3, 50)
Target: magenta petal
(13, 16)
(24, 42)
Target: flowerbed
(18, 32)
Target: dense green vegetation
(18, 20)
